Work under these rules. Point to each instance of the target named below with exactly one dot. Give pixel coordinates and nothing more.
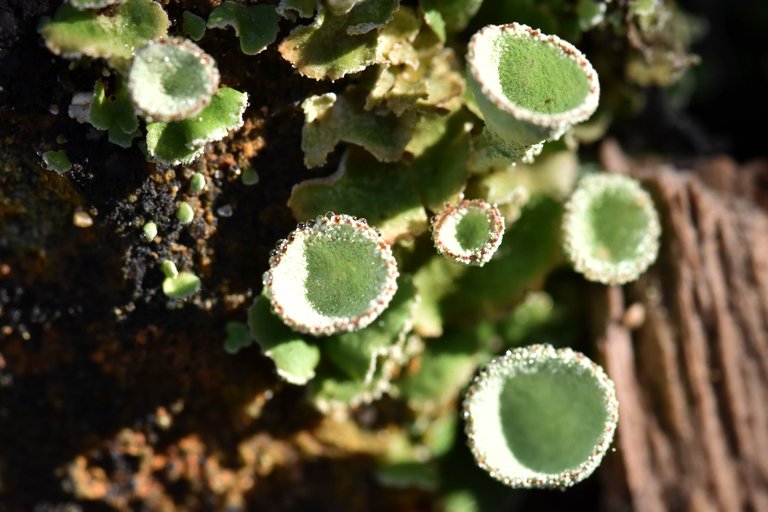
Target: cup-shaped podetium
(468, 232)
(611, 229)
(538, 417)
(172, 79)
(530, 87)
(331, 275)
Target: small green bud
(197, 183)
(185, 213)
(249, 177)
(57, 161)
(150, 231)
(182, 286)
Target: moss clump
(337, 285)
(538, 76)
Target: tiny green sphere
(197, 183)
(249, 177)
(185, 213)
(150, 231)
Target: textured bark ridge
(687, 346)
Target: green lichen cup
(539, 417)
(530, 87)
(611, 229)
(172, 79)
(468, 232)
(332, 275)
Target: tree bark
(687, 346)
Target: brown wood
(692, 378)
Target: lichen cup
(530, 87)
(332, 275)
(540, 417)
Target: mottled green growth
(539, 77)
(434, 280)
(528, 318)
(196, 183)
(337, 284)
(113, 35)
(185, 213)
(455, 13)
(363, 186)
(238, 337)
(440, 170)
(150, 231)
(409, 475)
(540, 417)
(552, 174)
(435, 21)
(361, 364)
(338, 7)
(529, 251)
(255, 25)
(184, 285)
(115, 113)
(443, 369)
(172, 79)
(295, 357)
(357, 354)
(590, 13)
(419, 73)
(92, 4)
(193, 25)
(332, 119)
(472, 230)
(324, 49)
(181, 142)
(611, 229)
(249, 177)
(57, 161)
(370, 15)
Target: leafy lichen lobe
(538, 76)
(337, 283)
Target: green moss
(539, 76)
(337, 283)
(552, 418)
(473, 229)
